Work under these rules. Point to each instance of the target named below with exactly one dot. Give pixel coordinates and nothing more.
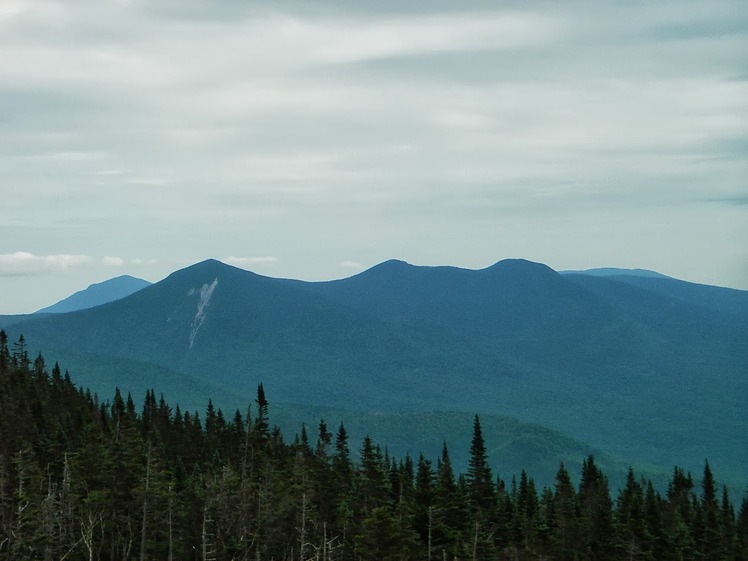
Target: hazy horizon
(243, 266)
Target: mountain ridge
(592, 357)
(97, 294)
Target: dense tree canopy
(86, 479)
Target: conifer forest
(85, 478)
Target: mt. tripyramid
(647, 364)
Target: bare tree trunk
(475, 542)
(48, 513)
(431, 515)
(171, 525)
(209, 553)
(87, 533)
(144, 525)
(245, 486)
(302, 537)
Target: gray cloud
(327, 132)
(22, 263)
(250, 263)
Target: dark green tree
(709, 540)
(566, 543)
(596, 512)
(632, 536)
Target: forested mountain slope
(639, 373)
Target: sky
(313, 140)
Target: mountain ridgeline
(650, 369)
(97, 294)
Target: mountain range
(641, 368)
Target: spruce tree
(526, 512)
(741, 530)
(482, 494)
(479, 477)
(262, 423)
(596, 511)
(566, 531)
(709, 542)
(632, 535)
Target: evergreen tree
(451, 508)
(566, 531)
(526, 513)
(655, 527)
(709, 542)
(423, 519)
(373, 483)
(596, 511)
(342, 468)
(482, 495)
(727, 527)
(4, 353)
(741, 531)
(479, 477)
(261, 424)
(679, 515)
(632, 536)
(379, 538)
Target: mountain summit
(97, 294)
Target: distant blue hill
(614, 272)
(715, 298)
(97, 294)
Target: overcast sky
(313, 140)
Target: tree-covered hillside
(86, 479)
(655, 373)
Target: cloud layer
(575, 134)
(21, 263)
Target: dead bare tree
(146, 489)
(208, 547)
(88, 526)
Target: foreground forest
(86, 479)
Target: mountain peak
(211, 266)
(97, 294)
(393, 264)
(209, 263)
(520, 266)
(614, 272)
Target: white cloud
(22, 263)
(109, 172)
(420, 131)
(113, 261)
(139, 261)
(440, 34)
(250, 262)
(355, 265)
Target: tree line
(86, 479)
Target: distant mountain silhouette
(97, 294)
(651, 369)
(614, 271)
(716, 298)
